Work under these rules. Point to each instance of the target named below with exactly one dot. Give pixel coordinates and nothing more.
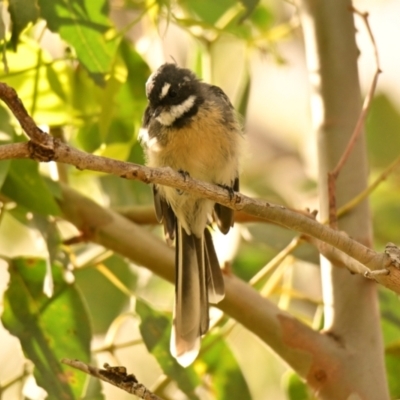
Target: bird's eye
(172, 93)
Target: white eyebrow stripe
(164, 90)
(167, 118)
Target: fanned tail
(191, 298)
(198, 280)
(215, 279)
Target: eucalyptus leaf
(22, 12)
(226, 376)
(48, 328)
(25, 186)
(155, 328)
(84, 25)
(295, 388)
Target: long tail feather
(191, 308)
(215, 279)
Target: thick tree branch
(243, 303)
(351, 311)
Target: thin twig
(333, 175)
(54, 150)
(116, 376)
(14, 103)
(365, 193)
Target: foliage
(80, 75)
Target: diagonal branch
(53, 149)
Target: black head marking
(175, 93)
(170, 84)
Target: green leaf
(295, 388)
(32, 73)
(250, 6)
(56, 84)
(390, 323)
(117, 151)
(25, 186)
(262, 17)
(7, 132)
(22, 12)
(48, 228)
(155, 328)
(209, 11)
(84, 25)
(245, 95)
(385, 203)
(392, 369)
(94, 390)
(7, 135)
(4, 167)
(226, 376)
(383, 125)
(105, 301)
(48, 328)
(89, 138)
(131, 98)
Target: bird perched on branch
(191, 127)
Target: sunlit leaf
(48, 328)
(18, 238)
(208, 10)
(262, 17)
(84, 25)
(25, 186)
(155, 329)
(108, 106)
(105, 301)
(132, 96)
(227, 379)
(118, 151)
(85, 96)
(32, 73)
(56, 84)
(295, 388)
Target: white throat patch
(167, 118)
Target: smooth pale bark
(351, 306)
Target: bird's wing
(223, 215)
(165, 215)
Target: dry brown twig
(334, 174)
(53, 149)
(116, 376)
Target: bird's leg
(185, 175)
(229, 189)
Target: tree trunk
(350, 301)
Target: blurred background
(89, 91)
